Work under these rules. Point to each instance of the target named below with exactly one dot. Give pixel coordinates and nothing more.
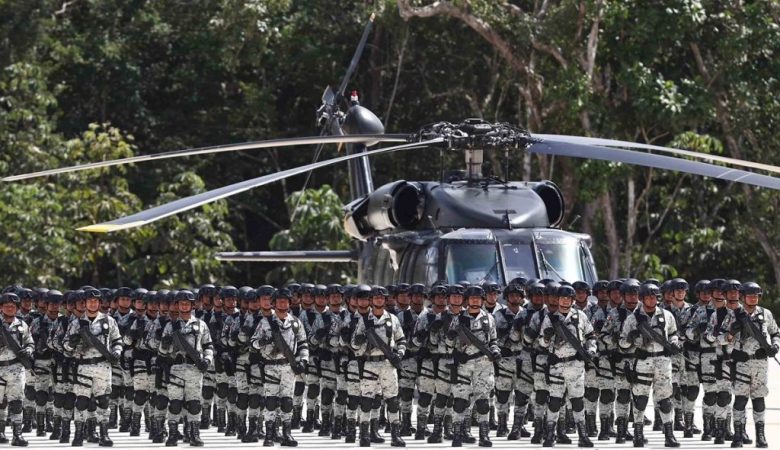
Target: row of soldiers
(254, 360)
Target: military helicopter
(464, 226)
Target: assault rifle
(282, 346)
(9, 341)
(181, 342)
(95, 343)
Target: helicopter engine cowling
(396, 205)
(553, 200)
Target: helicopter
(466, 226)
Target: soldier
(64, 398)
(594, 311)
(160, 364)
(281, 341)
(546, 294)
(94, 337)
(407, 379)
(191, 356)
(122, 301)
(44, 386)
(326, 352)
(652, 332)
(12, 371)
(472, 338)
(27, 299)
(206, 295)
(692, 353)
(351, 368)
(695, 332)
(312, 321)
(379, 343)
(679, 309)
(506, 367)
(336, 297)
(227, 356)
(748, 332)
(140, 360)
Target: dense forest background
(86, 80)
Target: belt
(708, 350)
(181, 359)
(505, 352)
(556, 360)
(410, 355)
(98, 360)
(275, 362)
(9, 362)
(641, 354)
(378, 358)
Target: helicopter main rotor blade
(565, 148)
(355, 57)
(285, 142)
(184, 204)
(675, 151)
(333, 256)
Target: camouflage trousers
(249, 384)
(328, 382)
(622, 386)
(716, 380)
(475, 381)
(433, 381)
(44, 385)
(566, 378)
(507, 380)
(313, 379)
(379, 379)
(143, 383)
(691, 378)
(407, 381)
(92, 381)
(278, 391)
(540, 384)
(655, 371)
(352, 380)
(750, 381)
(605, 381)
(678, 376)
(184, 392)
(12, 381)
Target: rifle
(566, 334)
(9, 341)
(281, 345)
(376, 342)
(181, 342)
(650, 334)
(752, 330)
(469, 336)
(95, 343)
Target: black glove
(772, 351)
(436, 325)
(554, 318)
(452, 333)
(345, 332)
(320, 334)
(176, 325)
(166, 341)
(203, 365)
(549, 332)
(300, 367)
(464, 320)
(736, 327)
(641, 318)
(495, 354)
(75, 340)
(359, 339)
(633, 334)
(740, 314)
(518, 324)
(598, 325)
(739, 356)
(702, 327)
(395, 359)
(421, 335)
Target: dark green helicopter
(465, 226)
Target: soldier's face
(515, 299)
(92, 305)
(491, 299)
(185, 306)
(391, 300)
(217, 303)
(81, 306)
(582, 295)
(631, 299)
(603, 297)
(732, 295)
(404, 300)
(564, 304)
(164, 309)
(321, 301)
(418, 302)
(716, 294)
(732, 304)
(705, 296)
(282, 305)
(139, 307)
(475, 303)
(53, 308)
(26, 304)
(205, 301)
(552, 304)
(680, 294)
(151, 310)
(614, 297)
(335, 302)
(537, 299)
(104, 305)
(752, 299)
(123, 302)
(296, 300)
(307, 300)
(254, 304)
(363, 304)
(456, 301)
(173, 312)
(650, 302)
(230, 302)
(719, 302)
(9, 309)
(378, 301)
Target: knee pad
(92, 405)
(366, 404)
(623, 396)
(758, 405)
(222, 390)
(482, 406)
(424, 400)
(313, 391)
(299, 388)
(327, 396)
(129, 394)
(29, 393)
(724, 398)
(441, 401)
(286, 404)
(207, 392)
(577, 404)
(115, 394)
(162, 402)
(141, 397)
(740, 401)
(255, 401)
(353, 402)
(607, 396)
(592, 394)
(15, 407)
(341, 397)
(70, 401)
(541, 397)
(392, 405)
(684, 390)
(102, 401)
(502, 396)
(554, 404)
(41, 398)
(82, 403)
(174, 406)
(710, 398)
(193, 407)
(665, 406)
(232, 396)
(460, 405)
(271, 403)
(520, 399)
(640, 402)
(120, 390)
(59, 400)
(406, 394)
(376, 402)
(691, 393)
(242, 401)
(676, 392)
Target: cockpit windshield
(473, 262)
(518, 260)
(561, 260)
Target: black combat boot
(124, 422)
(561, 437)
(484, 435)
(112, 416)
(326, 422)
(621, 431)
(205, 419)
(220, 420)
(296, 417)
(65, 431)
(40, 424)
(56, 431)
(549, 435)
(694, 428)
(678, 420)
(230, 429)
(105, 440)
(27, 419)
(277, 426)
(406, 424)
(590, 424)
(3, 439)
(639, 435)
(422, 425)
(538, 431)
(688, 433)
(719, 432)
(669, 439)
(240, 426)
(760, 435)
(739, 431)
(349, 431)
(728, 434)
(18, 440)
(492, 417)
(78, 435)
(269, 433)
(185, 437)
(658, 425)
(706, 435)
(465, 432)
(195, 440)
(49, 419)
(92, 434)
(457, 434)
(159, 425)
(435, 437)
(308, 424)
(571, 426)
(251, 434)
(173, 434)
(745, 438)
(338, 429)
(395, 435)
(135, 424)
(376, 438)
(517, 423)
(317, 423)
(447, 431)
(582, 433)
(503, 425)
(365, 439)
(382, 417)
(287, 439)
